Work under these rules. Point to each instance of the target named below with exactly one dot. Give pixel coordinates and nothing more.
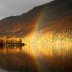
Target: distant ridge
(58, 17)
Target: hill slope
(56, 16)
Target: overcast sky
(17, 7)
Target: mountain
(55, 16)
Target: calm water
(34, 59)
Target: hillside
(55, 16)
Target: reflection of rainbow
(40, 19)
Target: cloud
(17, 7)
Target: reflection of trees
(1, 43)
(18, 63)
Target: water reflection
(36, 58)
(14, 60)
(10, 49)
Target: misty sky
(17, 7)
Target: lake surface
(36, 59)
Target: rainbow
(38, 24)
(32, 37)
(40, 19)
